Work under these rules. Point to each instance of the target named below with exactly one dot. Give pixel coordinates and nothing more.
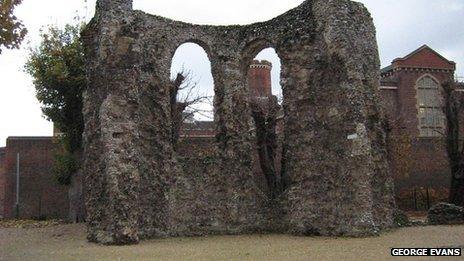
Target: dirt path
(67, 242)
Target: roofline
(386, 69)
(417, 68)
(420, 49)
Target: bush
(64, 167)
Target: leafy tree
(57, 66)
(12, 31)
(65, 166)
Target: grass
(67, 242)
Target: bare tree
(183, 107)
(265, 112)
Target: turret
(259, 79)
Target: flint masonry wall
(334, 146)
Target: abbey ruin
(334, 150)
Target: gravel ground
(67, 242)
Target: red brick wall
(428, 157)
(425, 58)
(39, 194)
(430, 163)
(259, 79)
(2, 181)
(389, 101)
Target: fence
(420, 198)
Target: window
(430, 103)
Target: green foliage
(64, 167)
(12, 31)
(57, 66)
(58, 69)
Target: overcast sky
(402, 26)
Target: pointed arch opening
(263, 67)
(431, 118)
(270, 55)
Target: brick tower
(259, 79)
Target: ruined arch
(198, 42)
(195, 58)
(270, 54)
(335, 145)
(267, 117)
(252, 48)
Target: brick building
(259, 79)
(411, 92)
(39, 194)
(2, 181)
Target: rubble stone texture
(445, 214)
(334, 143)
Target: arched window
(430, 103)
(197, 90)
(270, 55)
(268, 120)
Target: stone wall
(334, 147)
